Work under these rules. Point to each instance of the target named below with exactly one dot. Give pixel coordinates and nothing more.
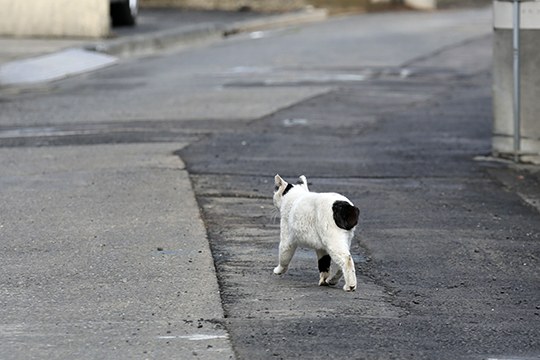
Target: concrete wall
(72, 18)
(503, 81)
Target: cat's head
(282, 188)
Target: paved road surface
(389, 109)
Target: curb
(302, 17)
(159, 40)
(10, 74)
(147, 43)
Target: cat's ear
(303, 182)
(279, 181)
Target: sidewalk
(30, 61)
(103, 252)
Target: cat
(321, 221)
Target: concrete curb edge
(156, 41)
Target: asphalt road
(390, 110)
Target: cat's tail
(303, 182)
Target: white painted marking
(405, 73)
(194, 337)
(294, 122)
(256, 35)
(250, 70)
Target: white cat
(321, 221)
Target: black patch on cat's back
(289, 187)
(324, 263)
(345, 214)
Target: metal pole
(517, 83)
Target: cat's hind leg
(334, 278)
(286, 252)
(324, 266)
(349, 273)
(342, 257)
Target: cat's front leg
(336, 276)
(323, 262)
(286, 252)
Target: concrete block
(503, 84)
(56, 18)
(503, 15)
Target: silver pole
(517, 83)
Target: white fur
(307, 221)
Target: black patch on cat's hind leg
(324, 263)
(324, 266)
(345, 214)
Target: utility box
(503, 80)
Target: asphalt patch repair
(451, 256)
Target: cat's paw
(323, 282)
(323, 279)
(278, 270)
(332, 282)
(349, 288)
